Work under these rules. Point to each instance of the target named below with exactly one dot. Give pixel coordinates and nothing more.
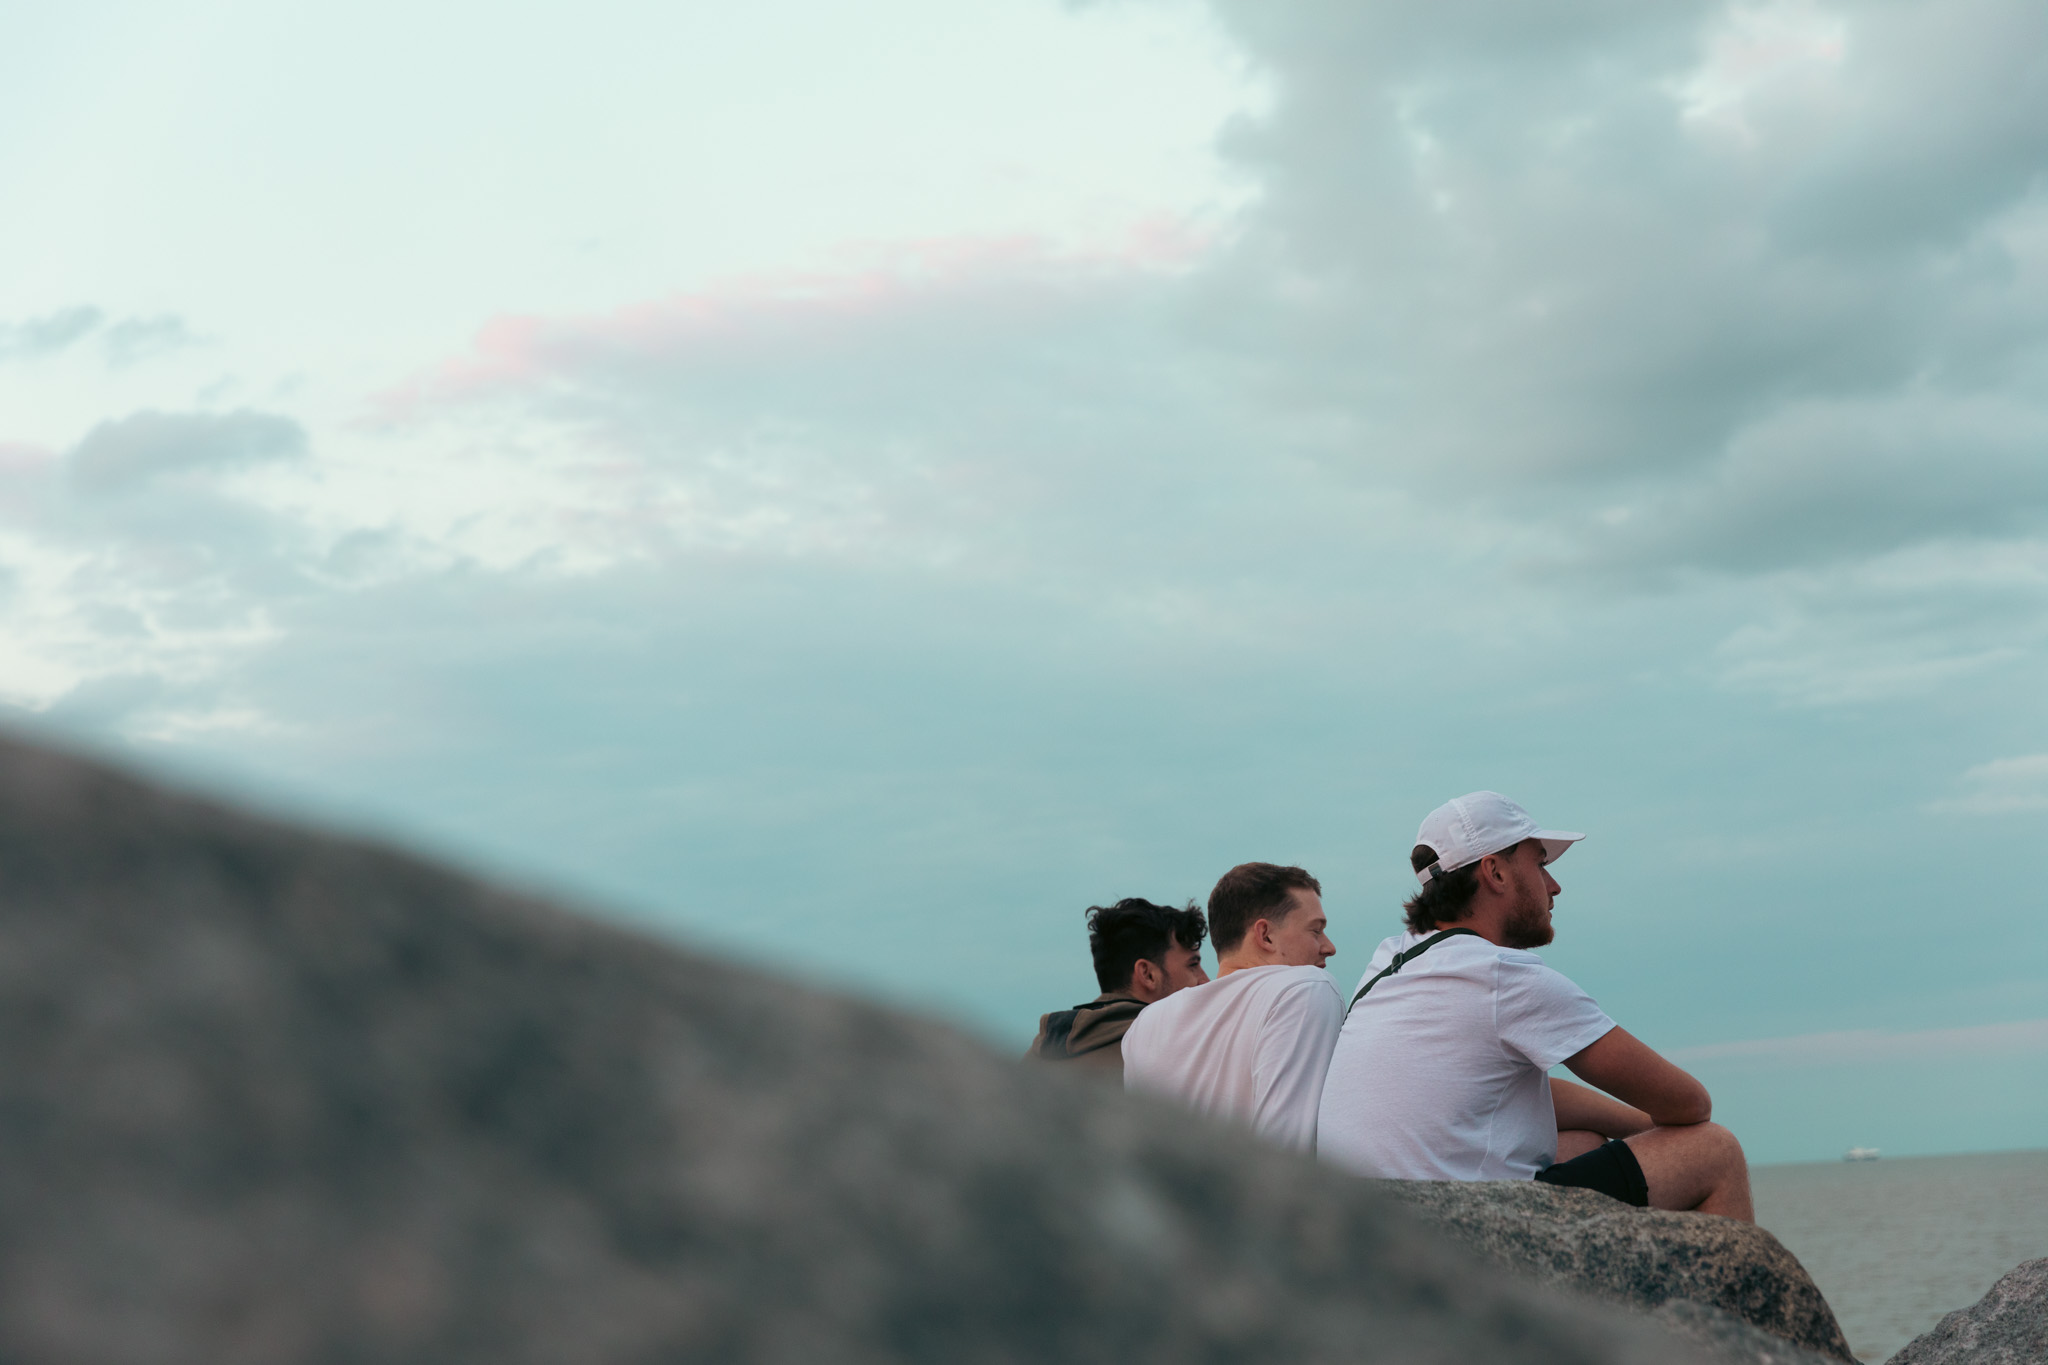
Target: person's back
(1253, 1044)
(1247, 1046)
(1142, 953)
(1091, 1034)
(1443, 1077)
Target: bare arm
(1593, 1112)
(1631, 1071)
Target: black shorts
(1611, 1169)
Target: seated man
(1441, 1072)
(1253, 1044)
(1143, 952)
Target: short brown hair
(1249, 893)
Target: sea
(1897, 1243)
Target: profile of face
(1527, 924)
(1296, 938)
(1178, 968)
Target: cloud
(2023, 1037)
(1824, 482)
(47, 335)
(123, 454)
(125, 342)
(1556, 291)
(984, 410)
(1907, 623)
(133, 340)
(141, 569)
(2001, 787)
(1762, 281)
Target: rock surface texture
(272, 1097)
(2008, 1326)
(1584, 1241)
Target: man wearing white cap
(1441, 1071)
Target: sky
(851, 486)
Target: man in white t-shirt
(1253, 1044)
(1442, 1069)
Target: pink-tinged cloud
(881, 286)
(25, 457)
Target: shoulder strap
(1403, 959)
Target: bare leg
(1573, 1142)
(1698, 1167)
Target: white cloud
(119, 455)
(2002, 786)
(1759, 55)
(133, 340)
(35, 338)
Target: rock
(2008, 1326)
(1587, 1242)
(272, 1097)
(1729, 1337)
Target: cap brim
(1556, 842)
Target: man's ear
(1146, 977)
(1260, 935)
(1493, 868)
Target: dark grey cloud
(1822, 483)
(1529, 259)
(124, 454)
(34, 338)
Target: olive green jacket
(1092, 1033)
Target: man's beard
(1526, 928)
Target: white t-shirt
(1442, 1073)
(1250, 1046)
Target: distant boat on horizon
(1860, 1154)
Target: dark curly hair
(1249, 893)
(1120, 935)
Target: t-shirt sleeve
(1543, 1015)
(1137, 1058)
(1293, 1057)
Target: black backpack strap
(1403, 959)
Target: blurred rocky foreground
(269, 1096)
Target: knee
(1722, 1145)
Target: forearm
(1579, 1107)
(1621, 1065)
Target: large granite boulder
(272, 1097)
(1588, 1243)
(2008, 1326)
(1729, 1337)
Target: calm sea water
(1897, 1243)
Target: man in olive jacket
(1143, 952)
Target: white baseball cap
(1464, 830)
